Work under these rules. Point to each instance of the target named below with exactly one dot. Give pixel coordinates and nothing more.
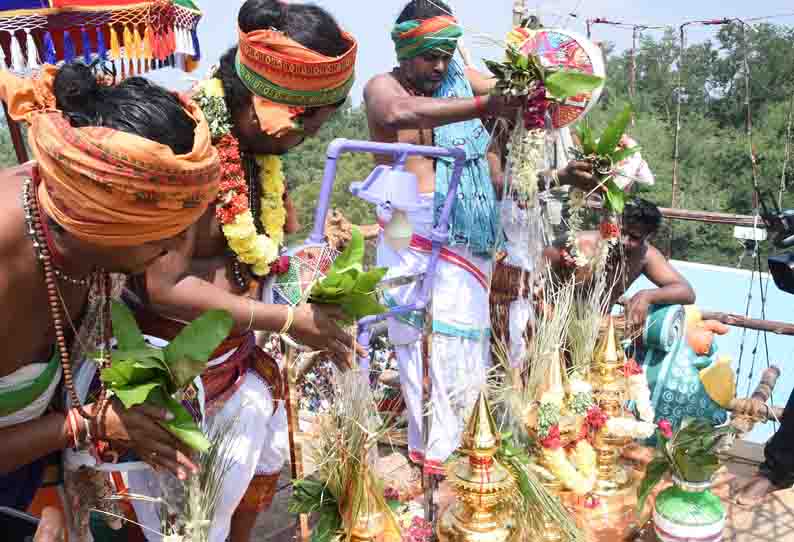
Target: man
(641, 221)
(121, 173)
(259, 109)
(777, 470)
(430, 100)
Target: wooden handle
(748, 412)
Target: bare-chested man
(641, 220)
(68, 217)
(429, 99)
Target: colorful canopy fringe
(137, 35)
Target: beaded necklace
(37, 232)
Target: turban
(286, 77)
(415, 38)
(107, 187)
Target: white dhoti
(259, 448)
(460, 348)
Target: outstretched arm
(389, 107)
(672, 288)
(175, 288)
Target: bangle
(251, 317)
(288, 322)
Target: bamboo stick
(737, 320)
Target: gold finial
(481, 438)
(608, 350)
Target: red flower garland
(609, 230)
(233, 194)
(631, 368)
(552, 441)
(596, 419)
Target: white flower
(630, 428)
(173, 538)
(580, 386)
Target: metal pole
(677, 136)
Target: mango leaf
(563, 84)
(614, 131)
(125, 329)
(623, 154)
(127, 373)
(656, 470)
(615, 197)
(182, 426)
(586, 139)
(188, 353)
(495, 68)
(131, 396)
(522, 62)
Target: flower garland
(233, 209)
(639, 391)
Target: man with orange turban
(120, 175)
(292, 70)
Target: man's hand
(506, 107)
(579, 175)
(50, 527)
(139, 428)
(315, 326)
(637, 309)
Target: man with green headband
(429, 99)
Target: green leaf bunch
(347, 284)
(311, 496)
(141, 374)
(604, 154)
(690, 455)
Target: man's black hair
(309, 25)
(136, 106)
(641, 212)
(418, 10)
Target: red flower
(281, 265)
(632, 368)
(596, 419)
(391, 494)
(666, 429)
(552, 440)
(535, 112)
(566, 258)
(609, 230)
(592, 502)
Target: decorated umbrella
(136, 35)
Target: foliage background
(715, 171)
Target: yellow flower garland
(257, 250)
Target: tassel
(115, 48)
(33, 52)
(101, 50)
(170, 41)
(196, 46)
(181, 42)
(49, 50)
(68, 47)
(3, 63)
(86, 46)
(127, 42)
(138, 45)
(17, 58)
(147, 43)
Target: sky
(485, 21)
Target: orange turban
(287, 77)
(107, 187)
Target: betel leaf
(127, 373)
(183, 426)
(135, 395)
(656, 470)
(347, 285)
(614, 131)
(615, 197)
(188, 353)
(125, 329)
(563, 84)
(353, 255)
